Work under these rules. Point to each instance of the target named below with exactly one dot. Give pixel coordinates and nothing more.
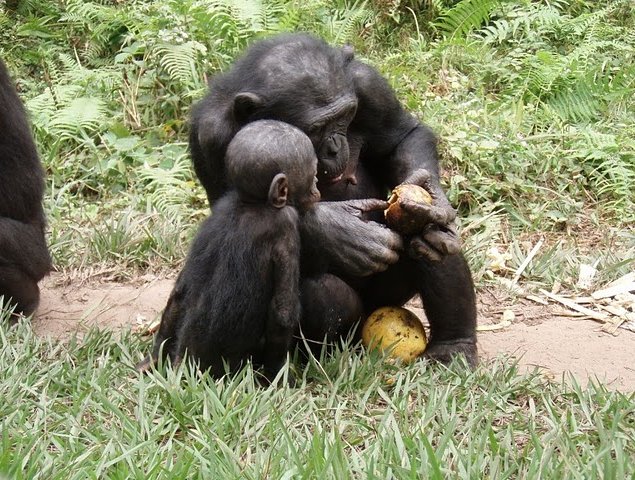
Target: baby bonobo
(237, 297)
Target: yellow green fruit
(395, 330)
(399, 219)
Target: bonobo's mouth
(331, 180)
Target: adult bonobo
(24, 257)
(366, 143)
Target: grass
(79, 410)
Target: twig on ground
(529, 258)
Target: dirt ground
(540, 336)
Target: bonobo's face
(307, 193)
(304, 82)
(327, 128)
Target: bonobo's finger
(435, 243)
(368, 204)
(420, 177)
(386, 236)
(388, 257)
(420, 249)
(441, 215)
(445, 241)
(363, 267)
(375, 254)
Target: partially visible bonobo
(238, 296)
(24, 256)
(366, 144)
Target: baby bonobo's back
(238, 294)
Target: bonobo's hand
(339, 233)
(438, 237)
(440, 211)
(435, 242)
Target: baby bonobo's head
(273, 162)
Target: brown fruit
(395, 330)
(399, 219)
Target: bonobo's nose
(333, 145)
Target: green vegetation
(534, 102)
(79, 411)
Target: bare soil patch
(540, 336)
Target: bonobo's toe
(445, 352)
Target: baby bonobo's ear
(245, 105)
(278, 191)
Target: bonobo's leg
(330, 310)
(24, 259)
(20, 288)
(448, 298)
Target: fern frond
(577, 103)
(179, 60)
(465, 16)
(520, 22)
(81, 116)
(348, 22)
(615, 178)
(170, 188)
(78, 11)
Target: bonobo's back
(231, 260)
(21, 174)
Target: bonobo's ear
(278, 191)
(246, 103)
(347, 53)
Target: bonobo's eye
(316, 132)
(347, 116)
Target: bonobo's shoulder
(258, 219)
(365, 76)
(286, 215)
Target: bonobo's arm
(284, 310)
(338, 235)
(404, 151)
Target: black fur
(238, 296)
(24, 257)
(366, 144)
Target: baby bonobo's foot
(445, 352)
(145, 365)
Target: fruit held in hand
(395, 330)
(399, 219)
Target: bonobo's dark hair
(24, 257)
(263, 149)
(366, 143)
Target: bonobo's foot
(19, 290)
(445, 352)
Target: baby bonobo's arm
(284, 309)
